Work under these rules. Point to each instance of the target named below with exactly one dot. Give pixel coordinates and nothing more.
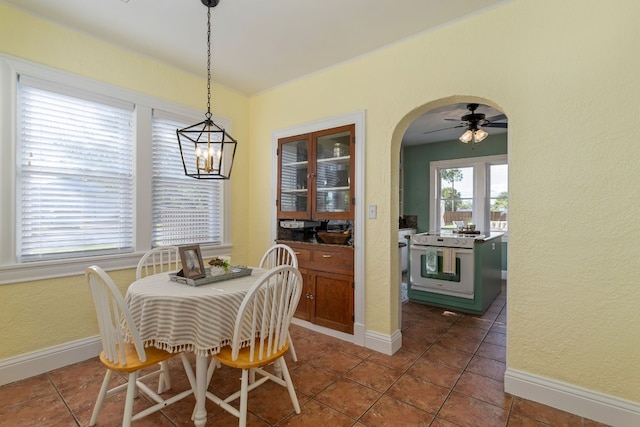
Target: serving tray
(235, 271)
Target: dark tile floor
(449, 372)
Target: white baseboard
(576, 400)
(375, 341)
(41, 361)
(385, 344)
(332, 333)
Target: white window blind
(185, 210)
(75, 173)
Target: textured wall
(566, 76)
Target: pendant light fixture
(207, 150)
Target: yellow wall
(567, 77)
(45, 313)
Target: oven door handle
(458, 250)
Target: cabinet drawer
(302, 254)
(330, 257)
(319, 257)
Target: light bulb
(479, 135)
(466, 137)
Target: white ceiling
(444, 124)
(258, 44)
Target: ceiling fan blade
(439, 130)
(453, 120)
(496, 118)
(495, 125)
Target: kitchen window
(470, 191)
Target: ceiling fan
(474, 122)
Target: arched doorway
(431, 133)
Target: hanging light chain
(208, 115)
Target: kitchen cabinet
(328, 287)
(316, 175)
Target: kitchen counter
(491, 236)
(298, 242)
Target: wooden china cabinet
(315, 175)
(315, 183)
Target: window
(75, 173)
(499, 197)
(456, 196)
(185, 210)
(471, 191)
(78, 181)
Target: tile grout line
(64, 401)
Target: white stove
(446, 240)
(427, 257)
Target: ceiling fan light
(467, 136)
(479, 135)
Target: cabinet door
(334, 173)
(332, 300)
(305, 305)
(294, 186)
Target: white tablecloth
(178, 317)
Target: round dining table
(179, 317)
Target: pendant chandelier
(207, 150)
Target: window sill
(42, 270)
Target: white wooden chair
(118, 355)
(260, 337)
(158, 260)
(281, 254)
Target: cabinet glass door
(333, 172)
(293, 180)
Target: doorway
(433, 134)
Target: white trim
(372, 340)
(326, 331)
(64, 268)
(385, 344)
(41, 361)
(569, 398)
(357, 118)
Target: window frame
(11, 271)
(481, 188)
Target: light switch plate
(373, 211)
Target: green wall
(416, 169)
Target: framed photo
(192, 265)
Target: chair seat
(133, 363)
(243, 361)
